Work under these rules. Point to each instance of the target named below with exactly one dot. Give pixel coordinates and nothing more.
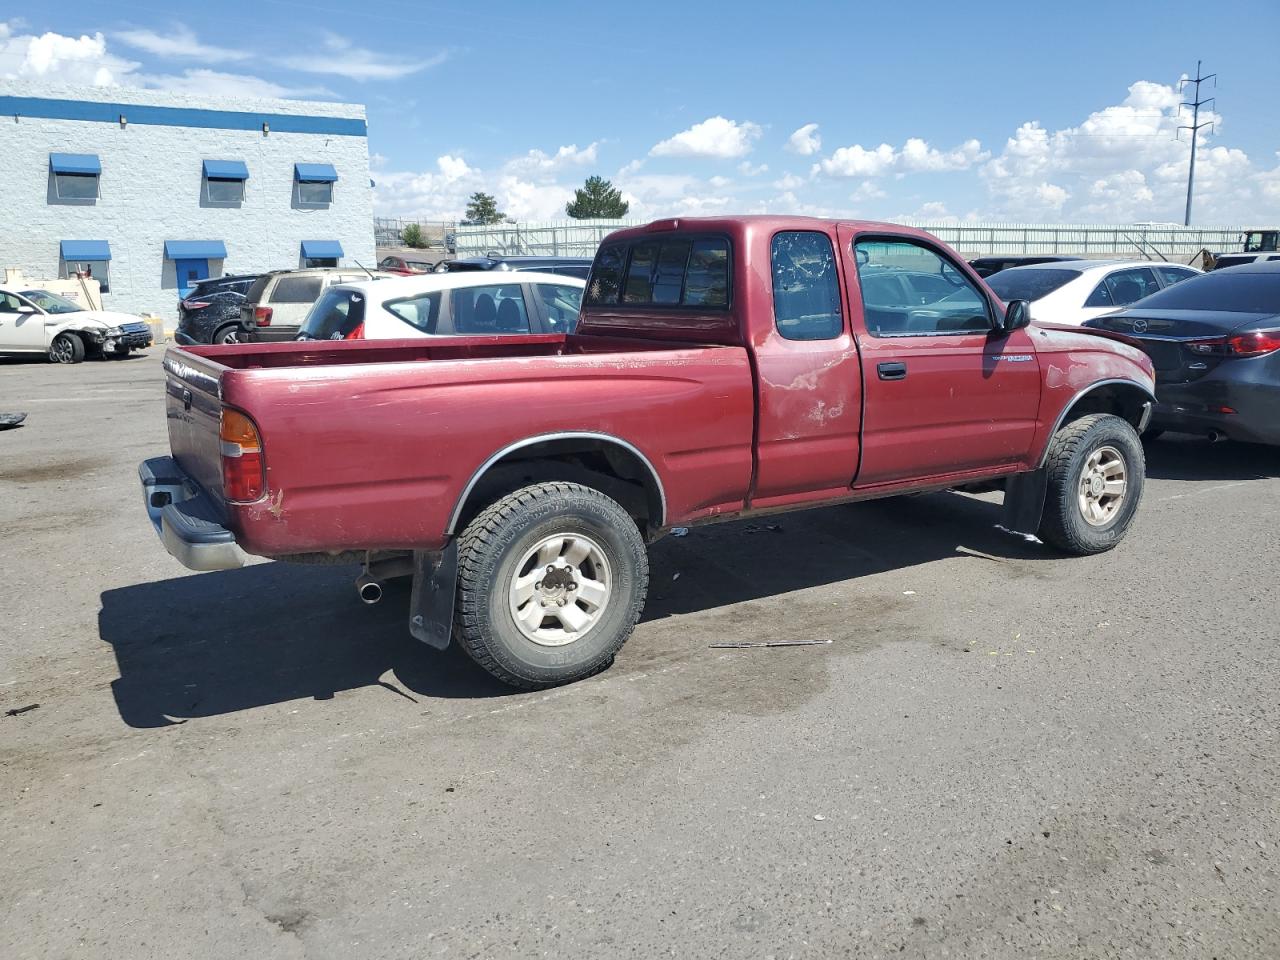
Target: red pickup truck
(720, 368)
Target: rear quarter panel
(377, 455)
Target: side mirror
(1016, 316)
(26, 308)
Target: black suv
(565, 266)
(211, 311)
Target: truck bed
(371, 445)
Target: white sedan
(446, 304)
(1073, 291)
(35, 321)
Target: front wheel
(66, 348)
(551, 582)
(1095, 472)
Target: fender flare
(1080, 395)
(456, 514)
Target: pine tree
(597, 199)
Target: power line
(1194, 127)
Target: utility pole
(1195, 126)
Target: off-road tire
(1063, 523)
(66, 348)
(488, 552)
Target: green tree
(412, 236)
(597, 199)
(483, 208)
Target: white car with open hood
(36, 321)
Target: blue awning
(195, 250)
(321, 249)
(314, 172)
(226, 169)
(80, 250)
(75, 163)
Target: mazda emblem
(1139, 326)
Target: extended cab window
(909, 290)
(806, 293)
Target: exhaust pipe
(1216, 436)
(368, 589)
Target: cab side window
(806, 292)
(909, 290)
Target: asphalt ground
(1002, 753)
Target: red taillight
(1255, 343)
(262, 316)
(356, 334)
(244, 470)
(194, 304)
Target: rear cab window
(676, 271)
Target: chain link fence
(436, 234)
(579, 238)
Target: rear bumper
(186, 519)
(270, 334)
(1196, 407)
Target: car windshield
(335, 315)
(1229, 291)
(1027, 283)
(51, 302)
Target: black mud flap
(1024, 495)
(435, 585)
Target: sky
(945, 111)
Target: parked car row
(36, 322)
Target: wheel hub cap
(560, 589)
(1103, 484)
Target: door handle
(895, 370)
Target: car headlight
(115, 332)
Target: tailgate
(193, 410)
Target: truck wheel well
(1124, 400)
(602, 464)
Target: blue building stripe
(97, 112)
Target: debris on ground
(764, 528)
(679, 531)
(10, 420)
(769, 643)
(17, 710)
(908, 593)
(676, 575)
(819, 817)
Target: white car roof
(428, 282)
(1094, 266)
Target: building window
(75, 176)
(313, 184)
(321, 253)
(320, 262)
(90, 259)
(224, 181)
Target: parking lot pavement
(1002, 752)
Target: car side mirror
(26, 308)
(1016, 316)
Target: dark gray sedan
(1215, 344)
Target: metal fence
(579, 238)
(389, 231)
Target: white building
(150, 191)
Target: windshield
(335, 316)
(51, 302)
(1027, 283)
(1229, 291)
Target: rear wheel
(551, 582)
(227, 334)
(1095, 469)
(66, 348)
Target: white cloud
(806, 141)
(748, 170)
(719, 182)
(57, 58)
(180, 43)
(523, 200)
(916, 156)
(789, 181)
(85, 60)
(538, 162)
(714, 137)
(452, 168)
(339, 57)
(867, 190)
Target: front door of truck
(943, 393)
